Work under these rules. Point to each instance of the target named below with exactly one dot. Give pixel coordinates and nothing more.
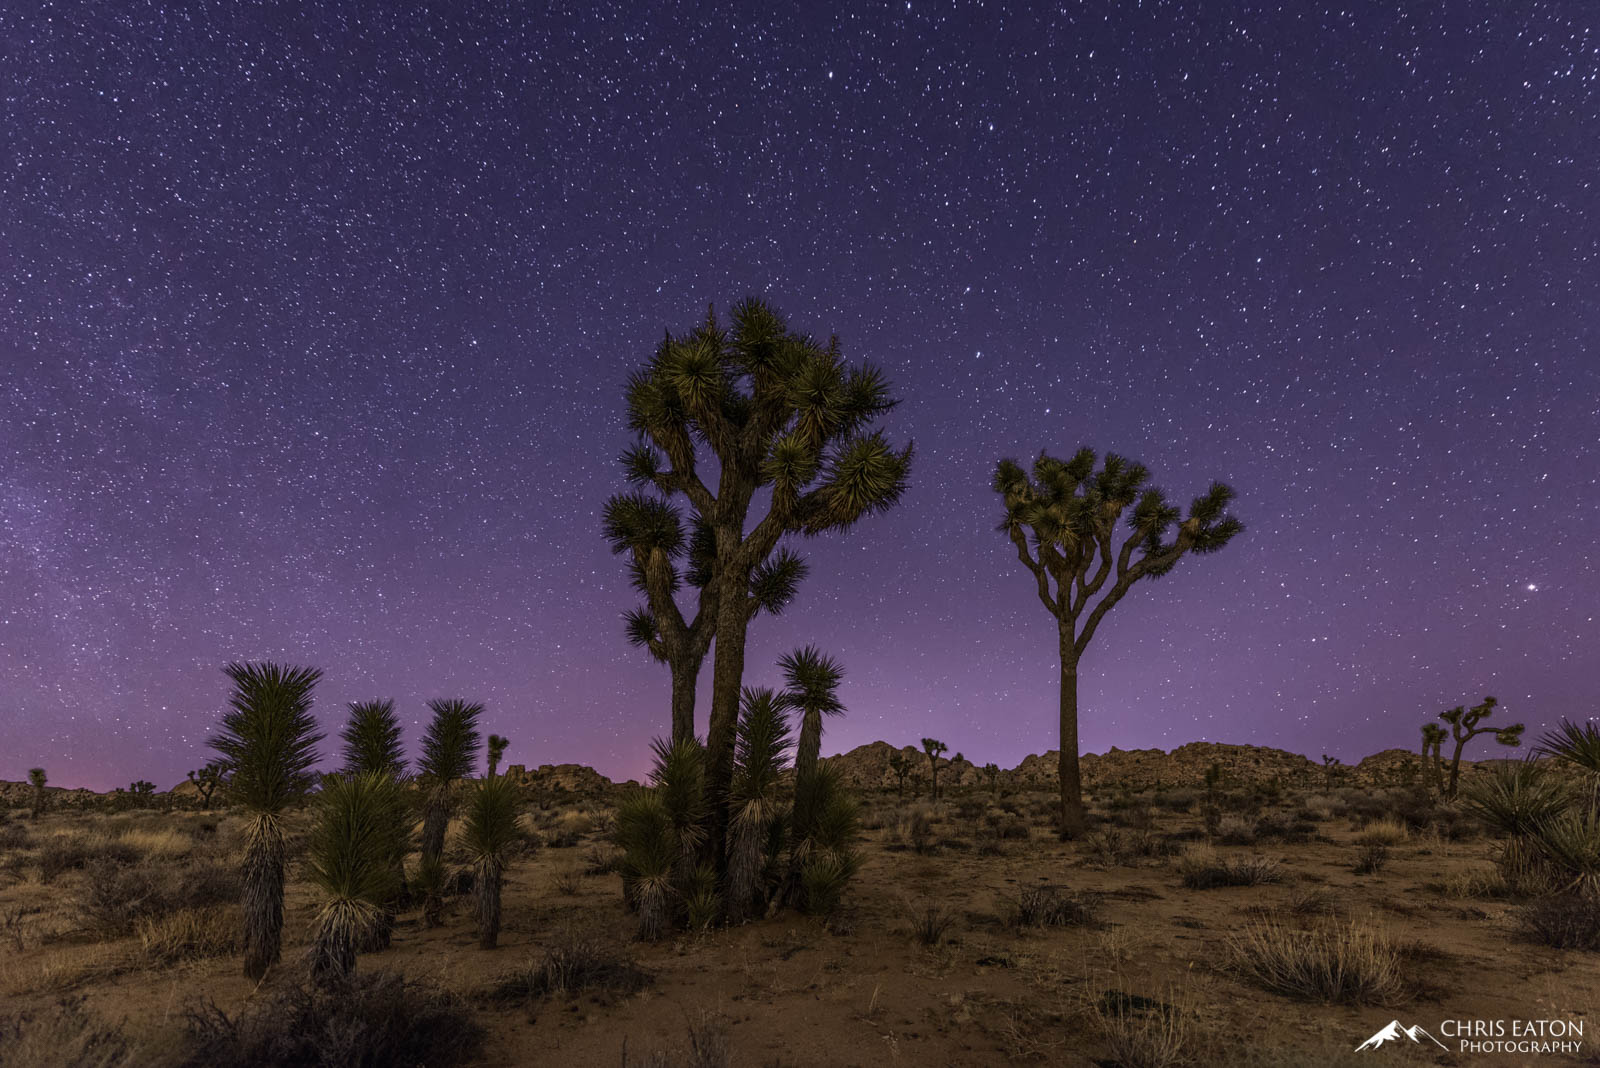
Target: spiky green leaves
(451, 744)
(863, 476)
(773, 583)
(36, 778)
(268, 736)
(351, 852)
(1516, 797)
(643, 523)
(371, 739)
(489, 825)
(1574, 744)
(813, 687)
(649, 845)
(762, 738)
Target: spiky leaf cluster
(268, 737)
(351, 852)
(371, 740)
(1516, 797)
(1574, 744)
(451, 744)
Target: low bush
(62, 853)
(63, 1035)
(374, 1020)
(573, 965)
(1350, 964)
(1204, 871)
(1384, 832)
(1562, 921)
(930, 923)
(192, 934)
(1048, 906)
(1372, 859)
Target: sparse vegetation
(1345, 963)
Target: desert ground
(971, 936)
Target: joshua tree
(37, 779)
(1063, 522)
(351, 860)
(754, 817)
(992, 773)
(206, 780)
(371, 740)
(777, 412)
(269, 740)
(497, 749)
(900, 764)
(488, 833)
(1332, 769)
(449, 749)
(933, 747)
(1464, 726)
(142, 790)
(813, 689)
(372, 745)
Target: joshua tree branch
(1021, 542)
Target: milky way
(314, 322)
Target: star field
(314, 322)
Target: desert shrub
(969, 809)
(115, 897)
(1562, 921)
(602, 860)
(989, 845)
(569, 883)
(930, 923)
(1048, 906)
(917, 828)
(373, 1020)
(707, 1048)
(1352, 964)
(64, 1035)
(1235, 830)
(1211, 818)
(570, 966)
(1384, 832)
(1013, 827)
(192, 934)
(73, 852)
(1373, 857)
(1202, 870)
(1176, 801)
(1143, 1032)
(14, 836)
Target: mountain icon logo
(1393, 1032)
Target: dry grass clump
(1563, 921)
(707, 1048)
(573, 965)
(930, 923)
(1384, 832)
(191, 934)
(1348, 964)
(65, 1036)
(114, 897)
(1372, 859)
(61, 853)
(1235, 830)
(1203, 870)
(1047, 906)
(1144, 1032)
(373, 1020)
(14, 837)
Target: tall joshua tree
(814, 690)
(36, 778)
(777, 412)
(489, 832)
(207, 779)
(351, 860)
(932, 747)
(269, 740)
(497, 749)
(449, 750)
(1063, 521)
(372, 744)
(1464, 726)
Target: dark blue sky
(314, 321)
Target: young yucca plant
(488, 834)
(36, 778)
(826, 858)
(430, 880)
(1516, 797)
(650, 852)
(449, 751)
(270, 740)
(814, 690)
(1571, 843)
(1580, 747)
(754, 820)
(679, 778)
(351, 860)
(372, 743)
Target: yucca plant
(430, 882)
(449, 750)
(754, 818)
(36, 779)
(1516, 797)
(826, 858)
(269, 740)
(372, 743)
(351, 860)
(679, 776)
(1579, 747)
(813, 689)
(488, 834)
(650, 853)
(1571, 843)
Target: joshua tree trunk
(727, 675)
(810, 747)
(488, 894)
(435, 819)
(685, 672)
(333, 956)
(1072, 817)
(263, 898)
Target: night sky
(314, 323)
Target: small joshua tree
(269, 740)
(1332, 770)
(755, 823)
(814, 690)
(497, 749)
(372, 744)
(351, 860)
(1464, 726)
(991, 772)
(933, 747)
(1063, 521)
(449, 749)
(37, 779)
(207, 779)
(489, 833)
(143, 790)
(900, 764)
